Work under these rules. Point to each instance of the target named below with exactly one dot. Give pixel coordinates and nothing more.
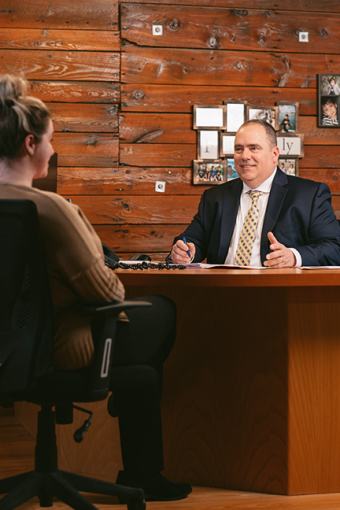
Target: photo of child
(288, 166)
(329, 110)
(207, 173)
(231, 170)
(287, 118)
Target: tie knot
(254, 195)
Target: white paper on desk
(319, 267)
(199, 265)
(134, 261)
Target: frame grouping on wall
(217, 125)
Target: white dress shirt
(245, 204)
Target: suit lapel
(275, 203)
(231, 200)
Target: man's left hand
(281, 256)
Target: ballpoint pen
(188, 252)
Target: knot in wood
(138, 94)
(323, 32)
(212, 42)
(92, 140)
(113, 109)
(261, 41)
(239, 12)
(173, 24)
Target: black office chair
(26, 374)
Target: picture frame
(231, 172)
(209, 172)
(267, 113)
(227, 142)
(290, 145)
(289, 166)
(208, 144)
(288, 116)
(236, 115)
(209, 117)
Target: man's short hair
(270, 131)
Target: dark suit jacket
(299, 213)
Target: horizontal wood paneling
(320, 156)
(294, 5)
(221, 67)
(75, 91)
(331, 177)
(86, 149)
(84, 118)
(126, 181)
(229, 29)
(137, 209)
(61, 65)
(177, 128)
(134, 238)
(84, 14)
(49, 39)
(157, 154)
(147, 97)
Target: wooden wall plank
(157, 154)
(320, 156)
(315, 135)
(84, 118)
(147, 97)
(336, 205)
(156, 128)
(137, 238)
(294, 5)
(84, 14)
(137, 210)
(221, 67)
(61, 65)
(86, 149)
(125, 181)
(49, 39)
(75, 91)
(229, 29)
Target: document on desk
(319, 267)
(200, 265)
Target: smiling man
(263, 218)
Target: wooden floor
(16, 456)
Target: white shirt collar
(265, 187)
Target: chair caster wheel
(136, 504)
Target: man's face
(330, 109)
(255, 160)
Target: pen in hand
(188, 252)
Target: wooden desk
(252, 387)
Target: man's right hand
(179, 252)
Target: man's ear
(276, 154)
(30, 144)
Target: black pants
(142, 345)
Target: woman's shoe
(156, 487)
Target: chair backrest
(26, 317)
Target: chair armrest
(112, 308)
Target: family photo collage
(217, 125)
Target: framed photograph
(289, 166)
(210, 117)
(227, 142)
(288, 116)
(236, 115)
(209, 172)
(207, 144)
(328, 111)
(329, 84)
(291, 145)
(267, 113)
(231, 169)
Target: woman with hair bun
(77, 273)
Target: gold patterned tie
(247, 237)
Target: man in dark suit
(295, 223)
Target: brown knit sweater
(76, 269)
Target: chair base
(65, 487)
(47, 481)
